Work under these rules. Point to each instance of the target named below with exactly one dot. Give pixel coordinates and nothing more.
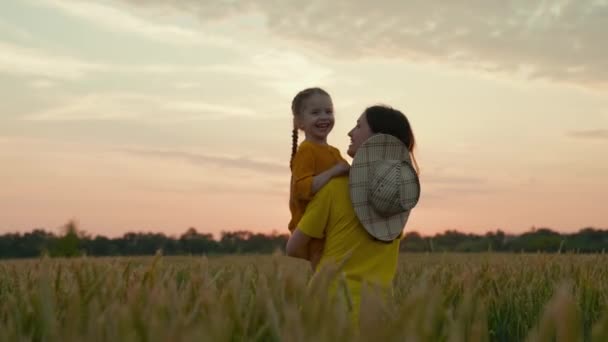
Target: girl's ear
(296, 123)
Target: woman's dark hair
(387, 120)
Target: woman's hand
(303, 246)
(315, 252)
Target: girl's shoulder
(310, 151)
(304, 152)
(332, 149)
(305, 148)
(316, 149)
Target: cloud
(290, 71)
(283, 71)
(215, 188)
(441, 186)
(558, 40)
(138, 107)
(42, 84)
(14, 31)
(451, 180)
(206, 110)
(26, 61)
(186, 85)
(593, 134)
(33, 62)
(242, 163)
(93, 107)
(121, 21)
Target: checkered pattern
(384, 187)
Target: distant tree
(452, 240)
(69, 244)
(27, 245)
(414, 242)
(537, 240)
(233, 242)
(193, 242)
(495, 240)
(101, 246)
(588, 240)
(73, 242)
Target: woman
(361, 217)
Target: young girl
(314, 162)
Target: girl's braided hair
(297, 104)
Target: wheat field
(437, 297)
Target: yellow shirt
(330, 215)
(310, 160)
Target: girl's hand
(341, 168)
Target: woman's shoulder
(304, 149)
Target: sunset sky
(160, 116)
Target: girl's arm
(322, 178)
(306, 184)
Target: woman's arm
(315, 252)
(297, 245)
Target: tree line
(73, 242)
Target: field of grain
(437, 297)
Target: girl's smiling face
(316, 118)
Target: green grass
(437, 297)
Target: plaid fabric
(384, 187)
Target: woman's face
(358, 135)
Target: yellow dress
(310, 160)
